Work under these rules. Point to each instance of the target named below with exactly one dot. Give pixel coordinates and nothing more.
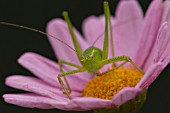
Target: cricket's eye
(90, 57)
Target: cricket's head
(92, 54)
(91, 59)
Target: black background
(14, 42)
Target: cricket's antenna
(35, 30)
(97, 38)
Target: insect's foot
(68, 92)
(98, 73)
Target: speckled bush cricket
(92, 59)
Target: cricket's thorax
(91, 59)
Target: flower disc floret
(107, 85)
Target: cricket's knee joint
(127, 58)
(59, 76)
(60, 61)
(59, 80)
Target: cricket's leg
(65, 74)
(120, 58)
(61, 70)
(73, 36)
(111, 34)
(113, 68)
(107, 16)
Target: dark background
(14, 42)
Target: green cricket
(92, 59)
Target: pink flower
(146, 41)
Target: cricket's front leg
(65, 74)
(61, 70)
(118, 59)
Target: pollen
(107, 85)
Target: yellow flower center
(107, 85)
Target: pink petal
(59, 29)
(149, 31)
(88, 103)
(48, 71)
(166, 11)
(148, 74)
(164, 60)
(165, 54)
(161, 65)
(163, 37)
(37, 86)
(32, 101)
(162, 44)
(159, 46)
(128, 22)
(152, 77)
(125, 95)
(43, 68)
(94, 27)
